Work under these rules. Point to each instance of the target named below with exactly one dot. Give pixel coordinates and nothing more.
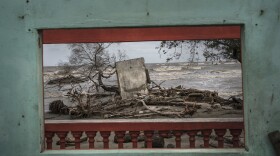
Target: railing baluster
(91, 135)
(163, 134)
(152, 131)
(206, 133)
(178, 135)
(77, 135)
(149, 138)
(192, 134)
(62, 136)
(220, 133)
(105, 135)
(134, 138)
(120, 138)
(49, 136)
(235, 136)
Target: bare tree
(92, 62)
(83, 74)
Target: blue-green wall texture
(20, 61)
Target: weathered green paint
(21, 72)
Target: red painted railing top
(56, 36)
(144, 124)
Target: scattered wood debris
(136, 96)
(173, 103)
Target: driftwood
(105, 87)
(180, 104)
(166, 103)
(175, 103)
(141, 115)
(156, 85)
(178, 114)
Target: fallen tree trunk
(182, 104)
(178, 114)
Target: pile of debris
(136, 100)
(174, 103)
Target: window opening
(188, 81)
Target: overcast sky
(55, 53)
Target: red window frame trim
(92, 35)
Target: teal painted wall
(20, 61)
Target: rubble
(171, 103)
(136, 99)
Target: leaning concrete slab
(132, 77)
